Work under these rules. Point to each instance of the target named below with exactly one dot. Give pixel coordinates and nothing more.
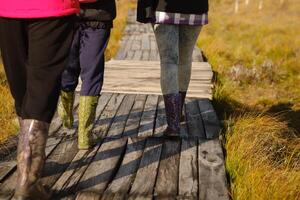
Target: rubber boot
(182, 114)
(65, 108)
(31, 160)
(86, 118)
(172, 105)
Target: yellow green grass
(255, 54)
(8, 125)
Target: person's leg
(94, 42)
(69, 82)
(49, 41)
(187, 39)
(13, 45)
(167, 37)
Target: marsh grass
(255, 56)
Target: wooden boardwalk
(131, 160)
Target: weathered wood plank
(137, 55)
(148, 117)
(145, 42)
(103, 124)
(145, 179)
(212, 178)
(167, 178)
(188, 170)
(120, 186)
(210, 119)
(86, 195)
(60, 158)
(6, 168)
(194, 120)
(117, 128)
(146, 55)
(161, 121)
(133, 121)
(103, 168)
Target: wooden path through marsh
(131, 160)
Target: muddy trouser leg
(187, 39)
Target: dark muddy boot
(31, 159)
(65, 108)
(172, 105)
(182, 113)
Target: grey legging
(175, 44)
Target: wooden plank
(67, 182)
(167, 178)
(124, 178)
(69, 179)
(146, 55)
(145, 42)
(137, 55)
(117, 128)
(133, 121)
(86, 195)
(148, 117)
(6, 168)
(145, 179)
(191, 94)
(102, 125)
(194, 119)
(129, 55)
(136, 45)
(60, 158)
(212, 178)
(188, 170)
(103, 168)
(210, 119)
(161, 121)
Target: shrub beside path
(130, 159)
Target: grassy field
(7, 115)
(255, 54)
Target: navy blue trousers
(86, 60)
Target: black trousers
(35, 53)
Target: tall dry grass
(8, 125)
(255, 54)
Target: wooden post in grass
(236, 7)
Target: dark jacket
(99, 14)
(146, 8)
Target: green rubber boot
(65, 108)
(86, 118)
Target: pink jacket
(37, 8)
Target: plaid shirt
(177, 18)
